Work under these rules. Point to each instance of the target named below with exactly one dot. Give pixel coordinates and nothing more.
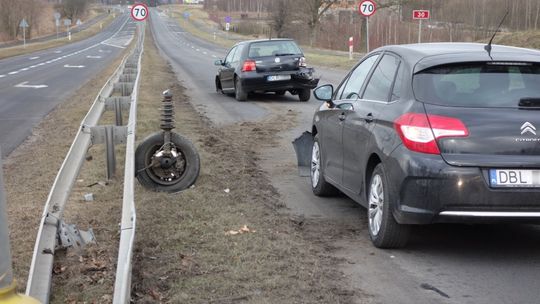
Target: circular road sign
(367, 8)
(139, 12)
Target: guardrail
(125, 80)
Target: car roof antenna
(488, 46)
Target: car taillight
(419, 132)
(249, 66)
(302, 62)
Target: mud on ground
(227, 240)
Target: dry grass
(39, 46)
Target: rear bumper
(431, 191)
(258, 81)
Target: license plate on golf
(514, 178)
(278, 77)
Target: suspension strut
(167, 119)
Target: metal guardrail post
(7, 283)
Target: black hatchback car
(276, 65)
(430, 133)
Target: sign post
(139, 12)
(367, 8)
(67, 23)
(351, 46)
(57, 22)
(24, 25)
(420, 15)
(228, 20)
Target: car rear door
(360, 121)
(347, 93)
(498, 105)
(226, 72)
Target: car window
(380, 83)
(236, 57)
(396, 90)
(351, 89)
(273, 48)
(229, 57)
(482, 84)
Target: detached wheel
(239, 92)
(319, 185)
(304, 94)
(384, 231)
(167, 170)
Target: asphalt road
(34, 84)
(442, 264)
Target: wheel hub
(376, 205)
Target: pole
(367, 34)
(8, 287)
(420, 31)
(57, 30)
(24, 36)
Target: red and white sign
(139, 12)
(367, 8)
(420, 14)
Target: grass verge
(39, 46)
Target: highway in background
(32, 85)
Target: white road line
(34, 58)
(57, 52)
(13, 73)
(93, 57)
(25, 85)
(205, 53)
(116, 46)
(198, 50)
(74, 66)
(214, 56)
(2, 76)
(25, 69)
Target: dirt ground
(227, 240)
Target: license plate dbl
(514, 178)
(278, 77)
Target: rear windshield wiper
(529, 102)
(284, 54)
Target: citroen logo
(528, 127)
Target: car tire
(281, 93)
(239, 92)
(152, 177)
(384, 230)
(319, 185)
(304, 94)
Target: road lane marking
(2, 76)
(25, 69)
(73, 66)
(25, 85)
(205, 53)
(57, 52)
(34, 58)
(13, 73)
(93, 57)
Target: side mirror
(324, 93)
(218, 62)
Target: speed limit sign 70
(367, 8)
(139, 12)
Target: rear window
(485, 84)
(273, 48)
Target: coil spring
(167, 112)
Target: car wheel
(281, 93)
(170, 173)
(304, 94)
(384, 231)
(239, 92)
(319, 185)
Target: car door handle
(369, 118)
(342, 117)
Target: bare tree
(280, 17)
(314, 10)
